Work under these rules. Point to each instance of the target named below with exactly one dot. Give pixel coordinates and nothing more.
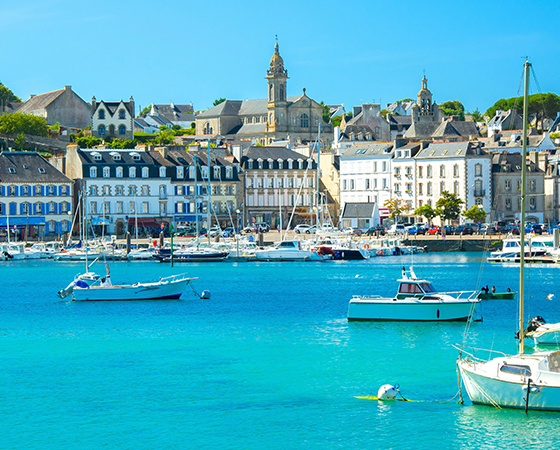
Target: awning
(4, 221)
(189, 218)
(101, 221)
(143, 222)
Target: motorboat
(191, 254)
(287, 251)
(92, 287)
(416, 300)
(141, 254)
(543, 333)
(527, 381)
(13, 251)
(511, 251)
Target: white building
(404, 175)
(461, 168)
(365, 174)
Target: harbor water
(268, 362)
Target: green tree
(405, 100)
(540, 106)
(218, 101)
(122, 143)
(453, 108)
(476, 116)
(87, 141)
(426, 211)
(448, 206)
(16, 123)
(396, 207)
(326, 112)
(145, 111)
(475, 214)
(7, 95)
(20, 142)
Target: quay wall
(456, 244)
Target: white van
(397, 228)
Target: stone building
(63, 106)
(112, 119)
(277, 117)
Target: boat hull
(497, 296)
(401, 310)
(141, 291)
(286, 255)
(491, 391)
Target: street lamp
(238, 227)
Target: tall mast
(522, 215)
(318, 223)
(209, 206)
(196, 197)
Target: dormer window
(121, 114)
(280, 164)
(11, 170)
(250, 164)
(101, 114)
(162, 172)
(300, 164)
(180, 172)
(135, 156)
(145, 172)
(116, 156)
(41, 170)
(96, 156)
(290, 164)
(217, 172)
(119, 172)
(106, 172)
(132, 172)
(204, 171)
(93, 172)
(229, 172)
(25, 166)
(270, 164)
(260, 163)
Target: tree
(426, 211)
(453, 108)
(145, 111)
(405, 100)
(20, 142)
(87, 141)
(16, 123)
(7, 95)
(540, 106)
(396, 207)
(476, 116)
(326, 112)
(448, 206)
(475, 214)
(218, 101)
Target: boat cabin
(416, 287)
(289, 245)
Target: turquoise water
(269, 362)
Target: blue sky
(341, 52)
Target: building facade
(35, 197)
(112, 119)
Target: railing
(479, 193)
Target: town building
(112, 119)
(35, 197)
(165, 115)
(63, 106)
(279, 183)
(360, 215)
(503, 121)
(506, 173)
(263, 121)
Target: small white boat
(511, 250)
(13, 251)
(543, 333)
(91, 287)
(416, 300)
(287, 251)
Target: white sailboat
(522, 380)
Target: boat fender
(205, 295)
(366, 246)
(387, 392)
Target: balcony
(479, 193)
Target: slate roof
(358, 210)
(87, 156)
(274, 153)
(241, 107)
(447, 128)
(251, 128)
(511, 163)
(173, 113)
(39, 101)
(363, 150)
(446, 150)
(31, 174)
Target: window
(507, 185)
(429, 172)
(456, 188)
(515, 369)
(420, 172)
(533, 185)
(508, 203)
(456, 170)
(25, 208)
(162, 172)
(532, 203)
(41, 170)
(145, 172)
(397, 187)
(106, 208)
(260, 164)
(429, 189)
(478, 170)
(121, 114)
(397, 172)
(145, 190)
(375, 167)
(249, 164)
(304, 121)
(65, 206)
(180, 172)
(384, 166)
(51, 190)
(25, 191)
(119, 190)
(408, 171)
(101, 130)
(93, 172)
(384, 183)
(132, 172)
(344, 185)
(145, 207)
(131, 190)
(93, 207)
(367, 183)
(93, 190)
(162, 208)
(408, 187)
(122, 129)
(11, 170)
(300, 164)
(101, 114)
(119, 172)
(290, 164)
(204, 172)
(12, 191)
(217, 172)
(442, 171)
(271, 164)
(420, 190)
(39, 208)
(106, 190)
(106, 172)
(442, 186)
(351, 185)
(229, 172)
(280, 164)
(119, 208)
(478, 192)
(132, 207)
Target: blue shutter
(13, 209)
(188, 190)
(176, 190)
(45, 208)
(42, 190)
(17, 191)
(176, 208)
(3, 191)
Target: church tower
(425, 106)
(277, 78)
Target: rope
(483, 392)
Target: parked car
(397, 228)
(352, 231)
(228, 231)
(311, 230)
(215, 231)
(433, 230)
(511, 228)
(534, 228)
(463, 229)
(301, 228)
(248, 230)
(263, 227)
(415, 229)
(488, 229)
(372, 231)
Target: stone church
(275, 118)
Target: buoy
(205, 295)
(387, 392)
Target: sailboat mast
(318, 219)
(522, 214)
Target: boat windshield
(516, 369)
(410, 288)
(427, 287)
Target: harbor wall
(453, 244)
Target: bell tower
(277, 78)
(425, 105)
